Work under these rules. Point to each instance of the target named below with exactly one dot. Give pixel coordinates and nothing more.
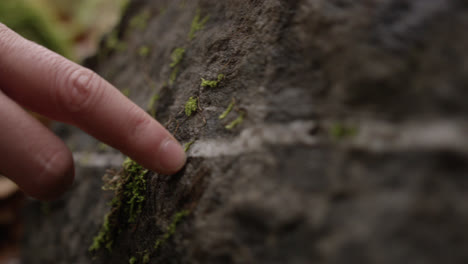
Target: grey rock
(352, 149)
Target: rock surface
(352, 147)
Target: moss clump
(146, 258)
(198, 24)
(104, 237)
(228, 110)
(132, 260)
(135, 189)
(191, 106)
(114, 43)
(126, 92)
(144, 51)
(212, 83)
(188, 145)
(176, 56)
(341, 131)
(177, 218)
(152, 105)
(140, 21)
(130, 189)
(236, 122)
(173, 76)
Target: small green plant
(236, 122)
(130, 189)
(212, 83)
(191, 106)
(188, 145)
(134, 190)
(146, 258)
(152, 104)
(126, 92)
(341, 131)
(132, 260)
(114, 43)
(144, 51)
(177, 218)
(140, 21)
(228, 110)
(198, 24)
(103, 238)
(173, 76)
(176, 56)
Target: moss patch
(228, 109)
(236, 122)
(176, 219)
(177, 56)
(144, 51)
(191, 106)
(340, 131)
(129, 186)
(198, 23)
(140, 21)
(152, 105)
(188, 145)
(212, 83)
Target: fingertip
(171, 157)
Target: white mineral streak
(89, 159)
(255, 139)
(382, 136)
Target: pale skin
(34, 78)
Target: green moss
(198, 24)
(341, 131)
(130, 190)
(132, 260)
(114, 43)
(103, 238)
(152, 105)
(212, 83)
(140, 20)
(176, 219)
(228, 110)
(135, 189)
(144, 51)
(173, 76)
(126, 92)
(146, 258)
(188, 145)
(176, 56)
(236, 122)
(103, 146)
(191, 106)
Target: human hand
(46, 83)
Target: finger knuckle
(78, 89)
(54, 167)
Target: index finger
(51, 85)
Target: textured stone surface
(353, 147)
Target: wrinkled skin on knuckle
(55, 174)
(78, 89)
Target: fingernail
(171, 156)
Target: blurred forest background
(71, 28)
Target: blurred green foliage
(36, 24)
(70, 27)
